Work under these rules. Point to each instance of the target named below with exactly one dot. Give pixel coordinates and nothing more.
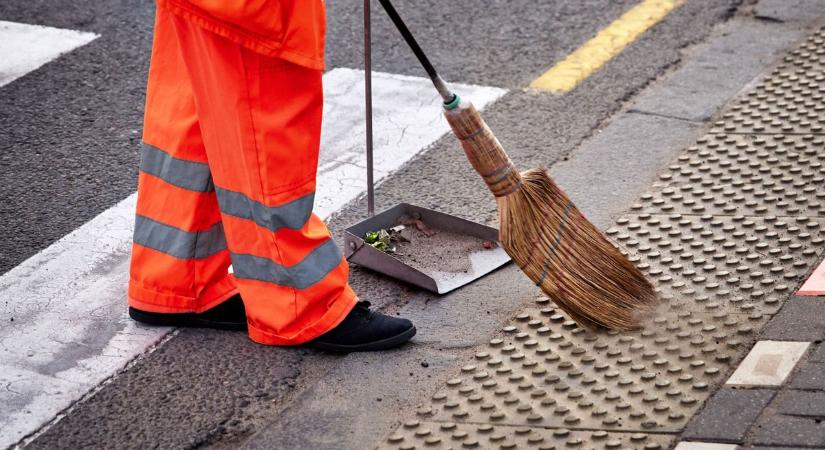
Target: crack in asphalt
(667, 116)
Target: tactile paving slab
(725, 235)
(720, 279)
(790, 100)
(447, 435)
(546, 371)
(736, 174)
(731, 264)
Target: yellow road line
(591, 56)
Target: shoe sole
(182, 321)
(384, 344)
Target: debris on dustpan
(380, 240)
(419, 245)
(385, 240)
(417, 223)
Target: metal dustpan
(468, 250)
(469, 261)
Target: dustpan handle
(368, 106)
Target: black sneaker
(364, 330)
(229, 315)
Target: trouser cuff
(146, 299)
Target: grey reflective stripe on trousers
(179, 243)
(191, 175)
(309, 271)
(291, 215)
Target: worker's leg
(179, 256)
(260, 118)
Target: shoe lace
(364, 306)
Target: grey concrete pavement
(218, 390)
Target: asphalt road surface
(69, 135)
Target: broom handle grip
(483, 150)
(439, 83)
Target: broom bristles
(551, 240)
(569, 258)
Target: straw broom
(541, 229)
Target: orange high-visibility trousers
(227, 175)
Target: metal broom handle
(368, 106)
(439, 84)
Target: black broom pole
(439, 84)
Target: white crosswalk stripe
(24, 47)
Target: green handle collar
(453, 103)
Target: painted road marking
(609, 42)
(815, 284)
(63, 311)
(24, 47)
(704, 446)
(768, 363)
